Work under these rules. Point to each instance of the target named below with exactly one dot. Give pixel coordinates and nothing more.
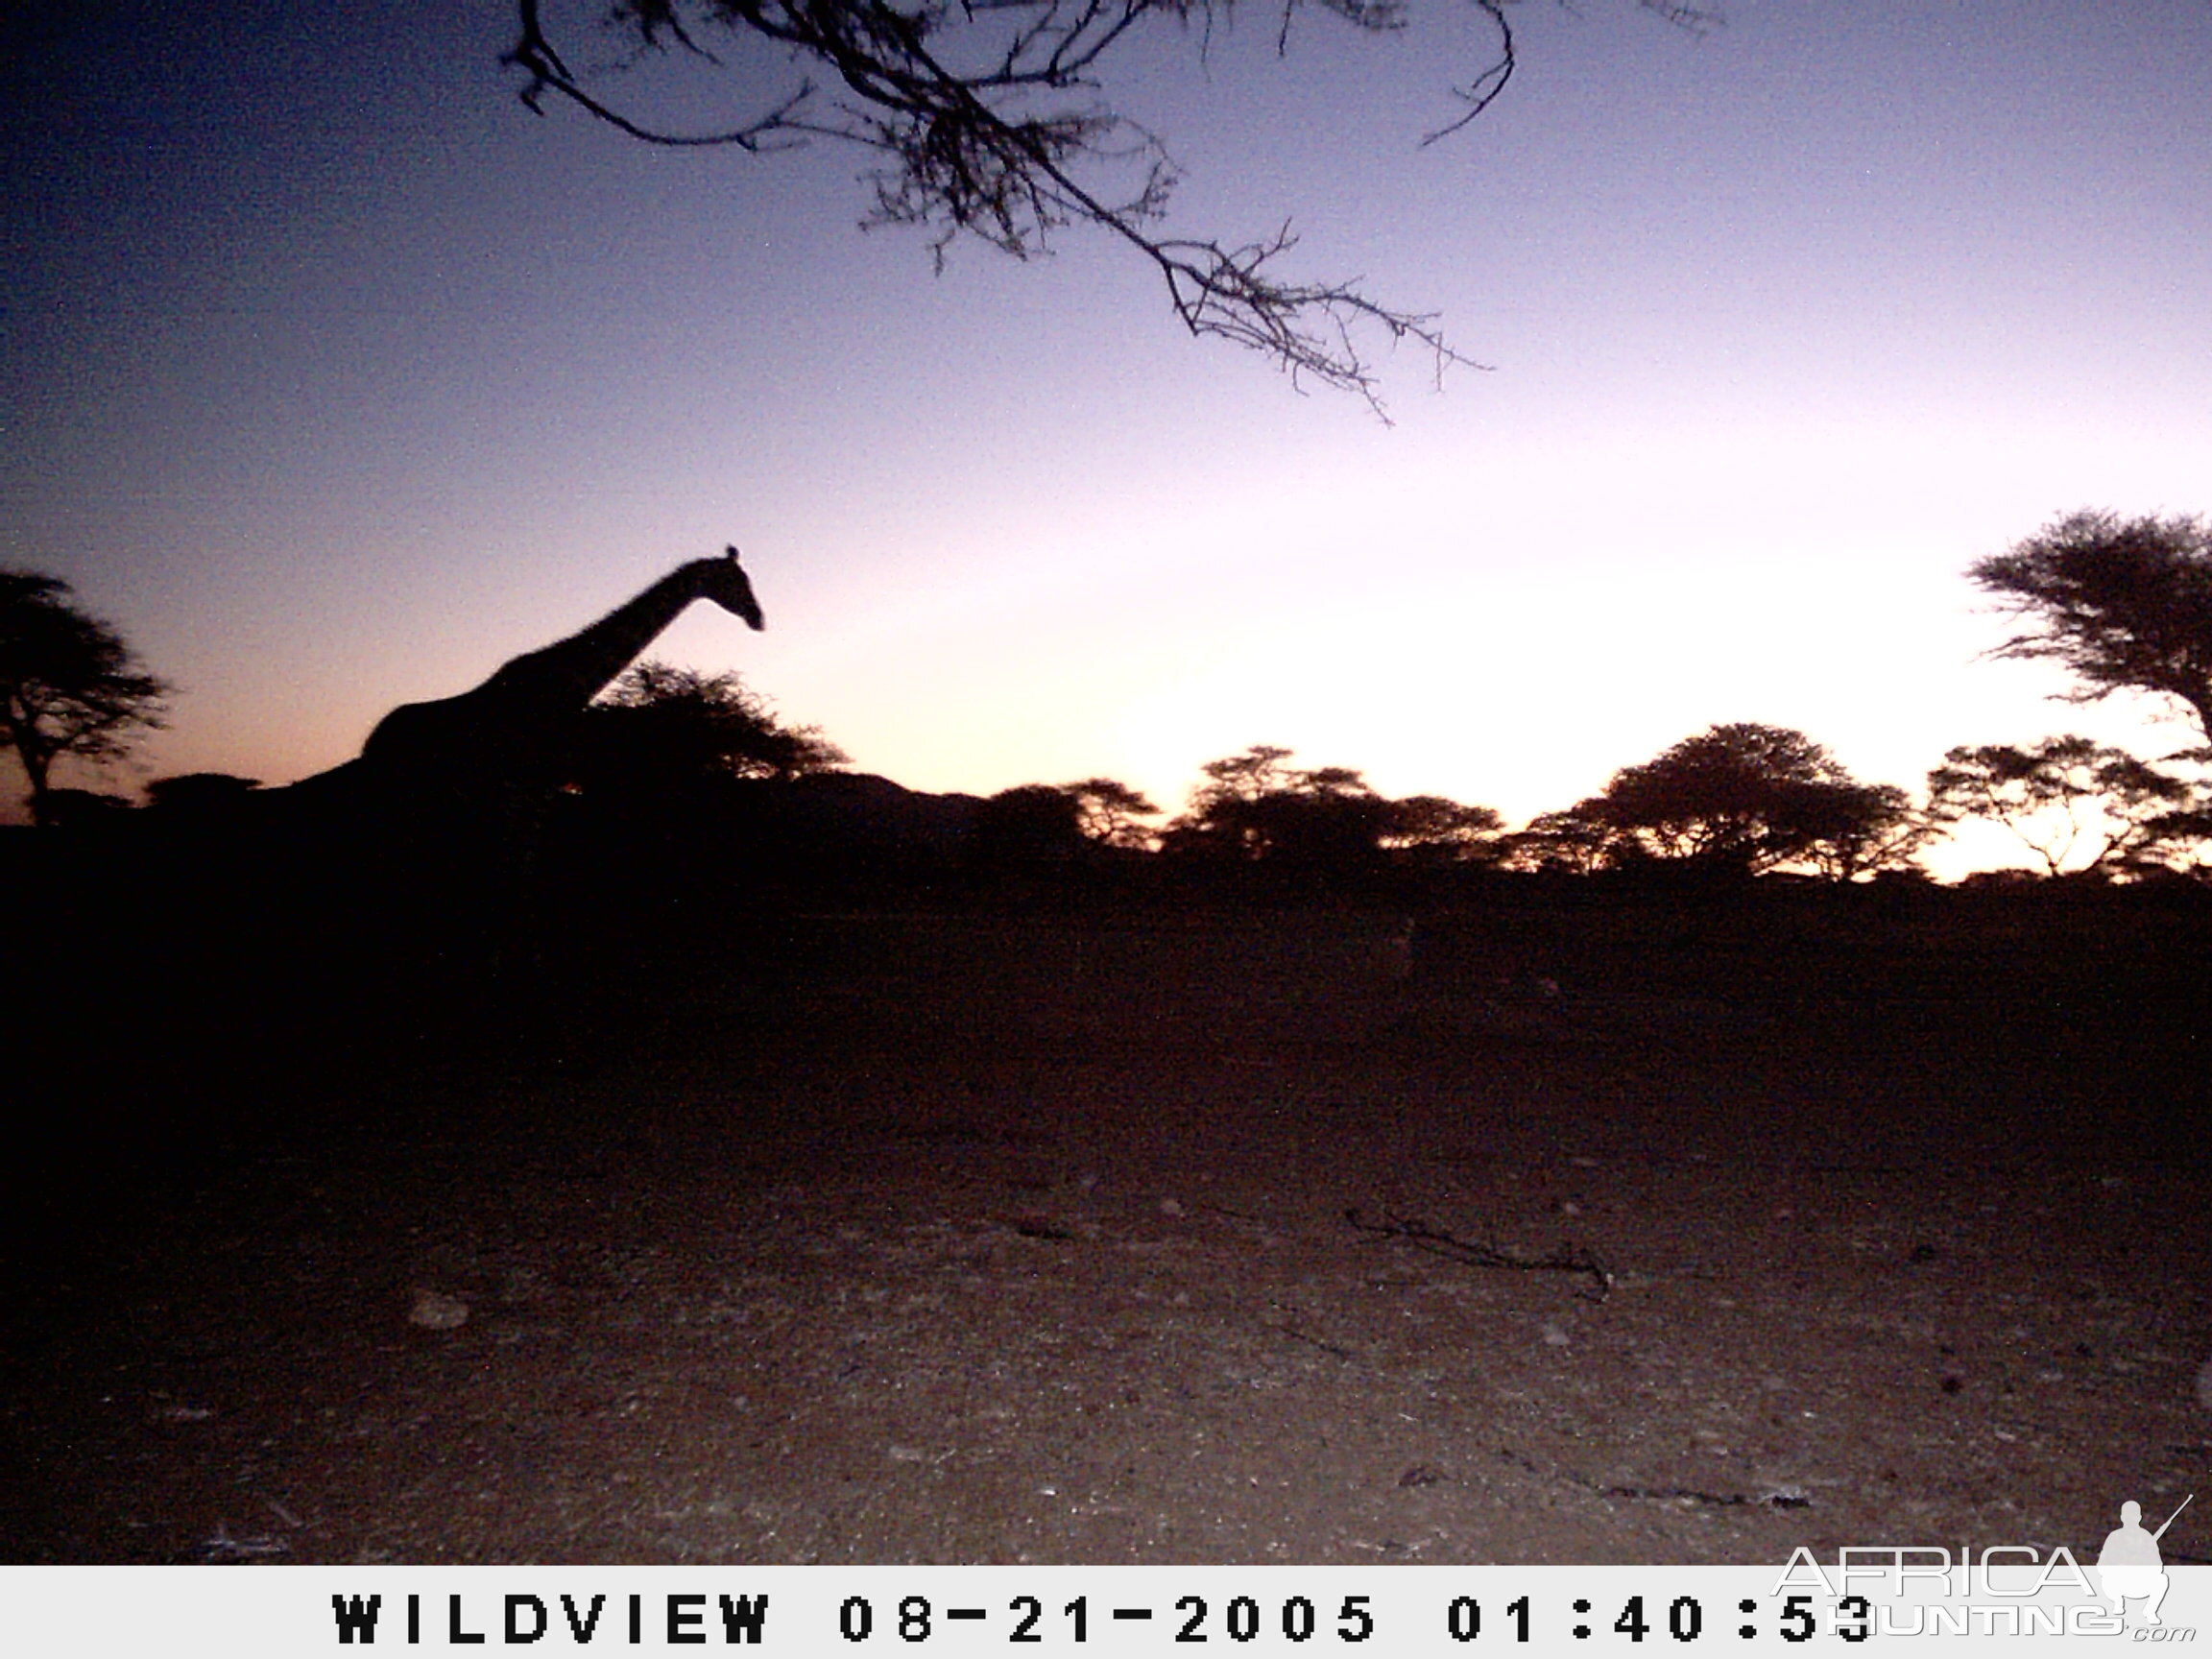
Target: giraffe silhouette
(383, 908)
(503, 743)
(425, 847)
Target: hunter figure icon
(2129, 1564)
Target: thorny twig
(1438, 1242)
(1774, 1497)
(1297, 1336)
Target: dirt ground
(999, 1242)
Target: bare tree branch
(967, 103)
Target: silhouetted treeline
(177, 978)
(225, 951)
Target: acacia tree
(2084, 807)
(1742, 798)
(69, 685)
(988, 120)
(1854, 829)
(659, 723)
(1253, 807)
(1055, 823)
(1217, 821)
(1435, 830)
(1107, 810)
(1028, 824)
(2122, 604)
(1575, 841)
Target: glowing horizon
(339, 379)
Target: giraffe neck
(562, 677)
(515, 727)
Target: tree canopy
(1253, 807)
(1107, 810)
(2084, 807)
(69, 685)
(659, 725)
(1434, 829)
(1030, 824)
(1743, 799)
(2122, 604)
(990, 121)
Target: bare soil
(990, 1240)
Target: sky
(333, 378)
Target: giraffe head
(726, 585)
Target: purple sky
(334, 378)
